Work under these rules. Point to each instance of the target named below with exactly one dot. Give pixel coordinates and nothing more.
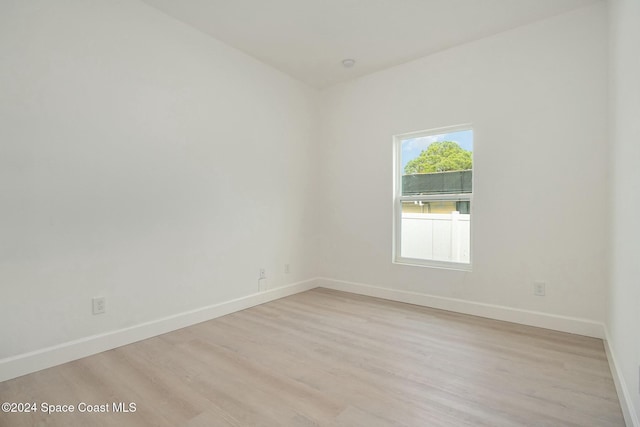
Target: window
(433, 192)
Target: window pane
(450, 182)
(436, 230)
(437, 164)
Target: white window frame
(398, 198)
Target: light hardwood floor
(335, 359)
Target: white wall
(537, 99)
(142, 161)
(624, 308)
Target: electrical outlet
(99, 305)
(539, 288)
(263, 274)
(287, 269)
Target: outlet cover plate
(99, 305)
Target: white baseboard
(626, 402)
(23, 364)
(26, 363)
(525, 317)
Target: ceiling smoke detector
(348, 63)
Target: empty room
(319, 213)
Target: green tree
(440, 157)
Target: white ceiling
(308, 39)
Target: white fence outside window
(442, 237)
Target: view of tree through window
(433, 197)
(440, 157)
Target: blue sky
(411, 148)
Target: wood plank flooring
(331, 358)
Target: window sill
(443, 265)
